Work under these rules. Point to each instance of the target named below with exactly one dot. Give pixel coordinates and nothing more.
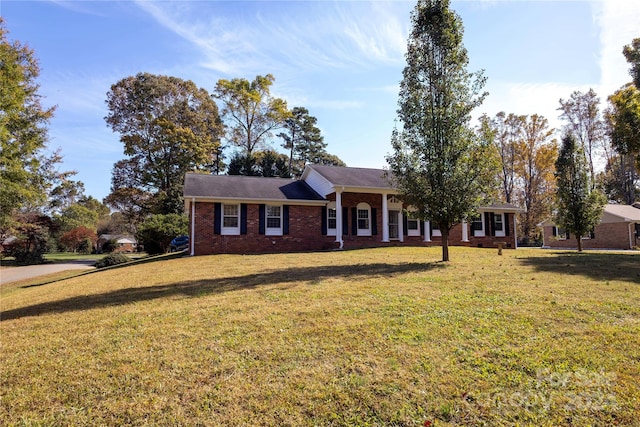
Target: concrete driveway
(13, 274)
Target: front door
(394, 221)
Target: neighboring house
(328, 208)
(124, 242)
(619, 228)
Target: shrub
(30, 244)
(157, 231)
(113, 259)
(109, 246)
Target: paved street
(12, 274)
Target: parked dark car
(179, 243)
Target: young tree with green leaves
(438, 164)
(24, 176)
(168, 127)
(578, 206)
(250, 111)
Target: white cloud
(619, 22)
(306, 36)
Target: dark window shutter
(217, 217)
(421, 222)
(506, 224)
(405, 224)
(374, 221)
(555, 231)
(568, 235)
(323, 226)
(354, 221)
(243, 218)
(345, 221)
(487, 224)
(285, 219)
(261, 218)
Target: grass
(370, 337)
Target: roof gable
(623, 213)
(340, 176)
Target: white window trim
(435, 232)
(229, 231)
(501, 233)
(365, 232)
(272, 231)
(332, 231)
(481, 232)
(559, 236)
(411, 232)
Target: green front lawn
(369, 337)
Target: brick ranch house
(619, 228)
(328, 208)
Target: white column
(385, 219)
(427, 231)
(339, 217)
(465, 232)
(401, 226)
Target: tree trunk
(445, 243)
(579, 239)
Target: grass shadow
(197, 288)
(595, 265)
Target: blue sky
(341, 60)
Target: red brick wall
(455, 238)
(607, 236)
(305, 231)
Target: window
(332, 218)
(498, 225)
(477, 227)
(274, 220)
(413, 224)
(230, 219)
(560, 233)
(435, 230)
(363, 213)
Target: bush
(113, 259)
(30, 244)
(109, 246)
(157, 231)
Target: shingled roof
(234, 187)
(353, 177)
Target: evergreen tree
(438, 164)
(24, 169)
(579, 207)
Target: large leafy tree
(632, 54)
(583, 119)
(437, 163)
(303, 139)
(578, 206)
(250, 111)
(536, 154)
(24, 178)
(503, 132)
(168, 127)
(623, 126)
